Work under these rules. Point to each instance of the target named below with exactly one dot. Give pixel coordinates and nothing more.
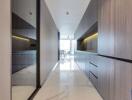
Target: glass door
(24, 49)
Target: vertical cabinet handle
(131, 95)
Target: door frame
(38, 84)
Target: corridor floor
(67, 82)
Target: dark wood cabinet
(123, 81)
(114, 22)
(115, 32)
(81, 59)
(93, 69)
(106, 78)
(112, 76)
(114, 79)
(105, 27)
(123, 30)
(93, 79)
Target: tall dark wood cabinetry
(123, 30)
(123, 80)
(106, 78)
(111, 70)
(115, 21)
(105, 27)
(115, 32)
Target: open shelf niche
(89, 41)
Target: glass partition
(24, 48)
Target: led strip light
(20, 38)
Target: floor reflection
(24, 83)
(67, 64)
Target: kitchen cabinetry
(106, 78)
(112, 78)
(105, 27)
(102, 69)
(123, 80)
(114, 22)
(123, 30)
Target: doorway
(67, 47)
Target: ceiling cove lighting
(20, 38)
(91, 37)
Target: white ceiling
(67, 24)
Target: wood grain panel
(123, 80)
(106, 78)
(93, 79)
(106, 28)
(115, 21)
(123, 30)
(93, 69)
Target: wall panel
(48, 43)
(123, 80)
(5, 50)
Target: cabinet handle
(93, 75)
(93, 64)
(131, 95)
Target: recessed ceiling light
(67, 13)
(30, 13)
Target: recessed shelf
(88, 42)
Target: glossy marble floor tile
(22, 92)
(67, 82)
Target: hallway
(66, 50)
(67, 82)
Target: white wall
(23, 7)
(49, 43)
(5, 50)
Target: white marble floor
(67, 82)
(22, 92)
